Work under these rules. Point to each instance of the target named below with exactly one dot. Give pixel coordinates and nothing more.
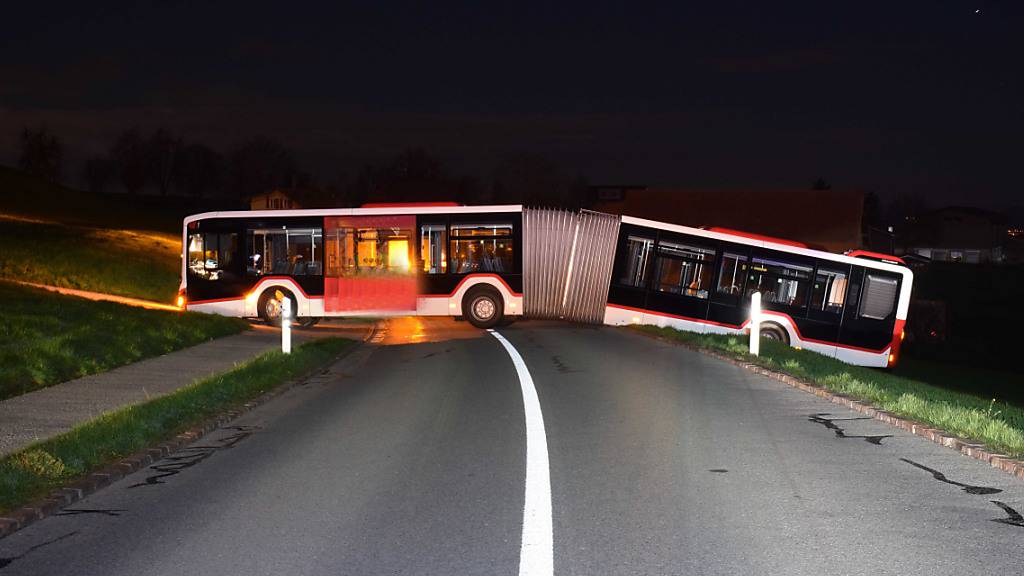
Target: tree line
(167, 163)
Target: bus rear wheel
(483, 307)
(270, 308)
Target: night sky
(923, 97)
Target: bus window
(684, 269)
(779, 282)
(481, 248)
(829, 291)
(638, 255)
(292, 251)
(879, 299)
(734, 268)
(210, 254)
(433, 238)
(195, 252)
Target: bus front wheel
(270, 307)
(483, 307)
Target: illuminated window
(779, 282)
(684, 269)
(210, 255)
(368, 251)
(733, 271)
(285, 251)
(433, 239)
(638, 257)
(481, 248)
(829, 291)
(398, 253)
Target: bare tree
(40, 153)
(129, 157)
(162, 155)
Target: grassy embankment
(40, 468)
(143, 265)
(46, 338)
(62, 237)
(997, 424)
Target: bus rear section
(843, 306)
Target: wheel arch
(253, 297)
(512, 300)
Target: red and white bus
(494, 263)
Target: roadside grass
(997, 424)
(40, 468)
(47, 338)
(954, 372)
(143, 265)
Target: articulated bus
(489, 264)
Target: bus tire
(773, 331)
(269, 306)
(483, 307)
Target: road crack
(830, 423)
(942, 478)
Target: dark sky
(923, 96)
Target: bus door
(370, 264)
(827, 300)
(870, 309)
(727, 303)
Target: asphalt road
(409, 457)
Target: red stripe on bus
(767, 313)
(878, 255)
(285, 279)
(212, 301)
(478, 275)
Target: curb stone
(967, 447)
(95, 481)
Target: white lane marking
(536, 553)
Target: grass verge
(47, 338)
(123, 262)
(43, 467)
(997, 424)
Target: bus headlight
(181, 301)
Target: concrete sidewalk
(51, 411)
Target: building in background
(824, 219)
(276, 199)
(959, 234)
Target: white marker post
(286, 325)
(755, 323)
